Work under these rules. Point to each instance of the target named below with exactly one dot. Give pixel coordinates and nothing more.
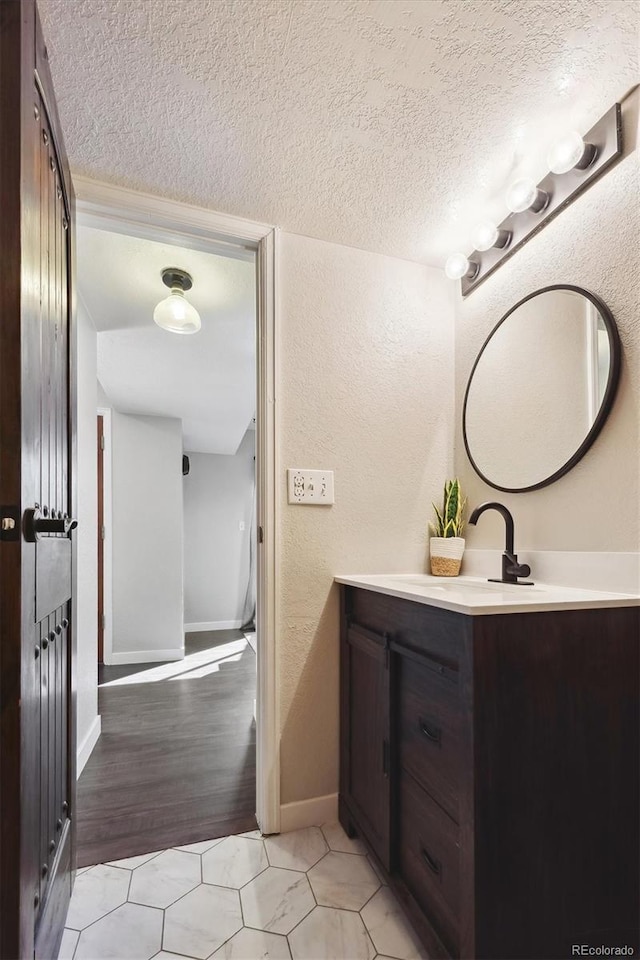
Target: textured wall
(593, 244)
(87, 532)
(218, 494)
(385, 125)
(366, 389)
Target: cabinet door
(365, 734)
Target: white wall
(88, 722)
(592, 244)
(218, 496)
(147, 538)
(366, 389)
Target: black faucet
(511, 569)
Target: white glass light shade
(458, 266)
(569, 152)
(485, 235)
(176, 314)
(524, 195)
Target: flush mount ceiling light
(575, 163)
(525, 195)
(458, 266)
(571, 153)
(175, 313)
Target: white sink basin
(475, 595)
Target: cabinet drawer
(429, 858)
(429, 711)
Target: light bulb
(524, 195)
(487, 235)
(176, 314)
(570, 152)
(458, 266)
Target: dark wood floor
(176, 761)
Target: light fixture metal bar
(563, 188)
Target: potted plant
(447, 542)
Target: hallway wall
(147, 539)
(218, 496)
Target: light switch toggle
(312, 487)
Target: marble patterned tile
(376, 869)
(96, 892)
(276, 900)
(252, 835)
(389, 929)
(234, 862)
(201, 847)
(131, 932)
(165, 955)
(68, 944)
(162, 880)
(328, 933)
(130, 863)
(298, 850)
(343, 880)
(254, 945)
(338, 840)
(202, 921)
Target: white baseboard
(308, 813)
(212, 625)
(87, 745)
(146, 656)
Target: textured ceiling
(207, 379)
(391, 125)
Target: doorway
(105, 207)
(176, 762)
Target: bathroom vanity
(489, 758)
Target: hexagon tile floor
(308, 895)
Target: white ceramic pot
(446, 555)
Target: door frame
(107, 543)
(121, 210)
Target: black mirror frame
(607, 400)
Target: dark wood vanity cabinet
(491, 763)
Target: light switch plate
(310, 487)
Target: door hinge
(102, 441)
(103, 532)
(260, 535)
(103, 621)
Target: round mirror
(541, 388)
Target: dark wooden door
(100, 539)
(37, 768)
(365, 783)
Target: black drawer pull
(434, 865)
(431, 733)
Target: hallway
(176, 760)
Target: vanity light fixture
(459, 266)
(175, 313)
(487, 235)
(576, 162)
(571, 153)
(525, 195)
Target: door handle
(35, 525)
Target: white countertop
(476, 596)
